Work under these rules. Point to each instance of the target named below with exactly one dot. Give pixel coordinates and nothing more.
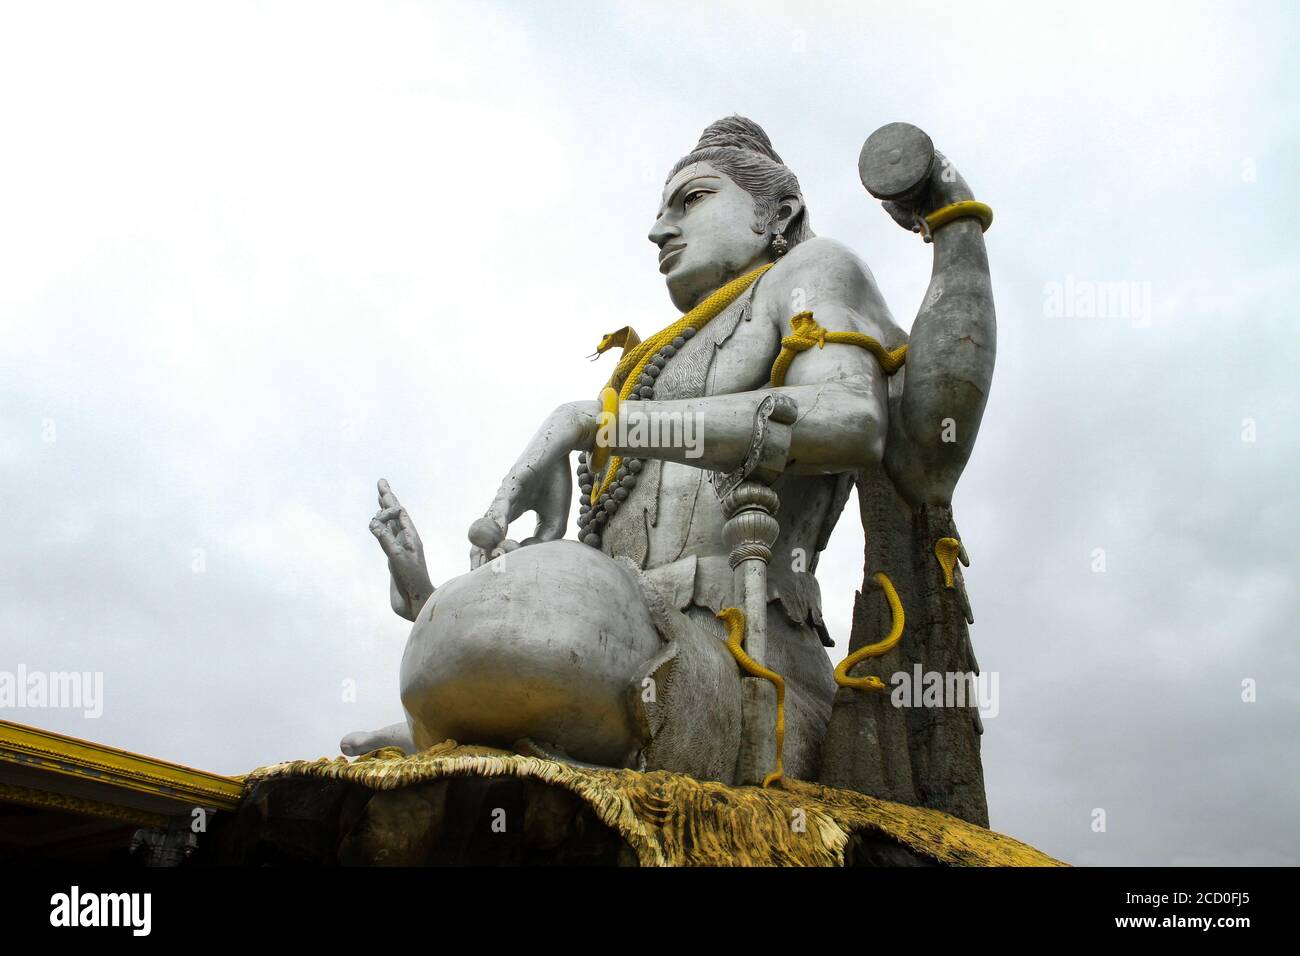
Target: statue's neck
(756, 263)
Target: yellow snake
(624, 338)
(874, 650)
(947, 550)
(635, 359)
(637, 354)
(734, 618)
(807, 333)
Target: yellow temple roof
(41, 768)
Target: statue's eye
(692, 197)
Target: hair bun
(738, 132)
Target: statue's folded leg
(585, 659)
(688, 699)
(541, 643)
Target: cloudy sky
(254, 257)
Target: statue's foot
(364, 741)
(549, 751)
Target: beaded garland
(634, 380)
(592, 517)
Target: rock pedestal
(455, 805)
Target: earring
(780, 246)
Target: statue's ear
(787, 212)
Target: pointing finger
(386, 497)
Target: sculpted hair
(739, 149)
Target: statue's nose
(662, 231)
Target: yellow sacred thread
(807, 333)
(960, 210)
(874, 650)
(947, 550)
(634, 360)
(734, 618)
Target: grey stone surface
(923, 756)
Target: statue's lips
(667, 256)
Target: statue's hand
(545, 488)
(942, 187)
(540, 481)
(410, 586)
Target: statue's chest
(672, 507)
(733, 353)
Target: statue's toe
(353, 745)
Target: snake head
(625, 337)
(734, 618)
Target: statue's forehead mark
(688, 175)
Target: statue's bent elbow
(851, 437)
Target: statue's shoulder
(821, 259)
(814, 271)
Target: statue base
(466, 805)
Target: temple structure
(77, 801)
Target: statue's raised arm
(954, 338)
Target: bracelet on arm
(969, 208)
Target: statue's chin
(687, 292)
(688, 284)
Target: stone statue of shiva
(615, 647)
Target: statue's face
(704, 231)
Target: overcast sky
(254, 257)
